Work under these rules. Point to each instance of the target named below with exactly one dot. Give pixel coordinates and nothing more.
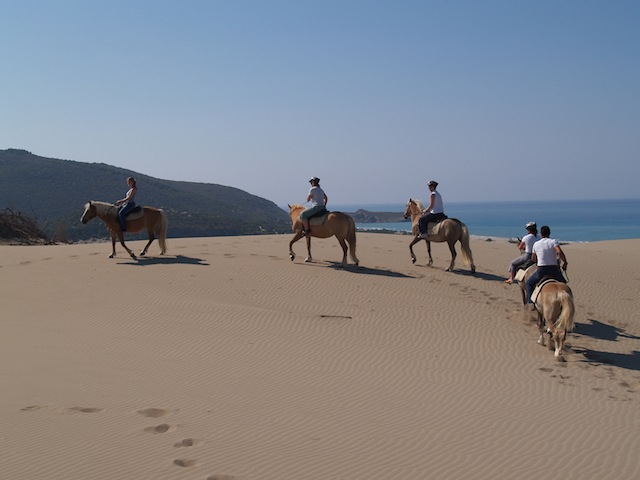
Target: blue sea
(569, 220)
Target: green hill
(53, 193)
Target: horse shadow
(368, 270)
(482, 276)
(176, 260)
(602, 331)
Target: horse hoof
(308, 260)
(142, 254)
(292, 256)
(413, 260)
(112, 255)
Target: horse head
(294, 210)
(412, 208)
(89, 212)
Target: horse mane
(294, 206)
(418, 203)
(105, 209)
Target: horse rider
(318, 200)
(434, 212)
(526, 247)
(127, 203)
(545, 253)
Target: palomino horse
(337, 223)
(450, 230)
(556, 309)
(154, 220)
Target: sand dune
(225, 360)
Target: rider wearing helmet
(526, 247)
(434, 212)
(318, 200)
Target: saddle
(135, 213)
(542, 283)
(522, 271)
(319, 218)
(433, 227)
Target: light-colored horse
(450, 230)
(555, 310)
(154, 220)
(336, 223)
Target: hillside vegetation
(53, 192)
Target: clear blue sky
(374, 97)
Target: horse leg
(559, 336)
(542, 329)
(308, 239)
(429, 252)
(454, 254)
(343, 244)
(151, 239)
(297, 236)
(414, 241)
(121, 238)
(146, 247)
(113, 244)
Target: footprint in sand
(154, 412)
(186, 462)
(162, 428)
(188, 442)
(82, 410)
(32, 408)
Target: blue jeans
(552, 271)
(521, 260)
(126, 208)
(429, 217)
(310, 212)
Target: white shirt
(545, 251)
(317, 196)
(528, 240)
(438, 207)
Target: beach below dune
(225, 360)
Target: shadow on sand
(178, 259)
(367, 270)
(602, 331)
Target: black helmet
(314, 179)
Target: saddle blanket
(536, 291)
(319, 219)
(134, 214)
(521, 273)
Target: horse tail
(351, 238)
(565, 320)
(467, 256)
(161, 231)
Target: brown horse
(336, 223)
(154, 220)
(450, 230)
(555, 311)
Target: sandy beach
(225, 360)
